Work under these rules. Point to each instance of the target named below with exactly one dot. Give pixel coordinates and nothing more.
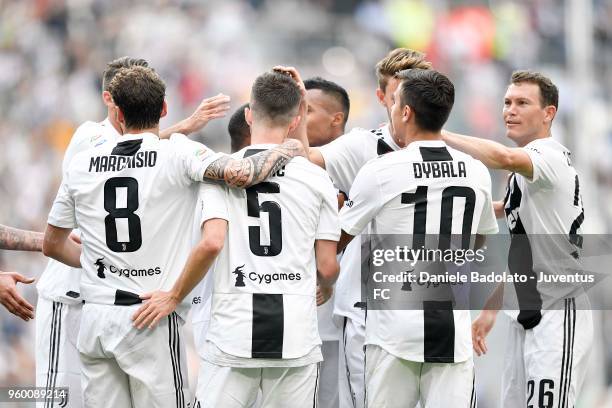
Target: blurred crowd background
(52, 54)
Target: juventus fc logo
(239, 276)
(101, 268)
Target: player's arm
(494, 155)
(58, 245)
(160, 304)
(10, 297)
(20, 240)
(209, 109)
(327, 268)
(253, 169)
(498, 207)
(485, 321)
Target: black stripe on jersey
(577, 191)
(382, 147)
(574, 237)
(439, 332)
(268, 326)
(127, 148)
(125, 298)
(435, 154)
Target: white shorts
(57, 358)
(328, 378)
(394, 382)
(232, 387)
(545, 366)
(351, 365)
(126, 367)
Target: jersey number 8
(114, 213)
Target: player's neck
(421, 136)
(113, 121)
(154, 130)
(267, 134)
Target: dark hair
(239, 130)
(139, 93)
(549, 94)
(115, 65)
(332, 89)
(275, 97)
(429, 94)
(398, 60)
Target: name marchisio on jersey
(103, 269)
(100, 164)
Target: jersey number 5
(254, 209)
(133, 221)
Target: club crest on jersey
(200, 153)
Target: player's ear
(248, 116)
(294, 123)
(407, 114)
(164, 111)
(119, 117)
(337, 119)
(549, 113)
(380, 95)
(107, 98)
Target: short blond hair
(397, 60)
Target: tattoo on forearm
(20, 240)
(253, 169)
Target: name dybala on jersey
(402, 193)
(263, 301)
(544, 216)
(133, 202)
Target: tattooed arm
(20, 240)
(253, 169)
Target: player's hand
(323, 294)
(10, 297)
(293, 73)
(157, 305)
(209, 109)
(481, 327)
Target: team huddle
(265, 247)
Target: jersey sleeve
(214, 202)
(545, 162)
(487, 223)
(80, 142)
(365, 201)
(194, 157)
(344, 157)
(328, 227)
(62, 212)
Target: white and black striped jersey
(263, 301)
(344, 157)
(60, 282)
(544, 216)
(426, 188)
(133, 202)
